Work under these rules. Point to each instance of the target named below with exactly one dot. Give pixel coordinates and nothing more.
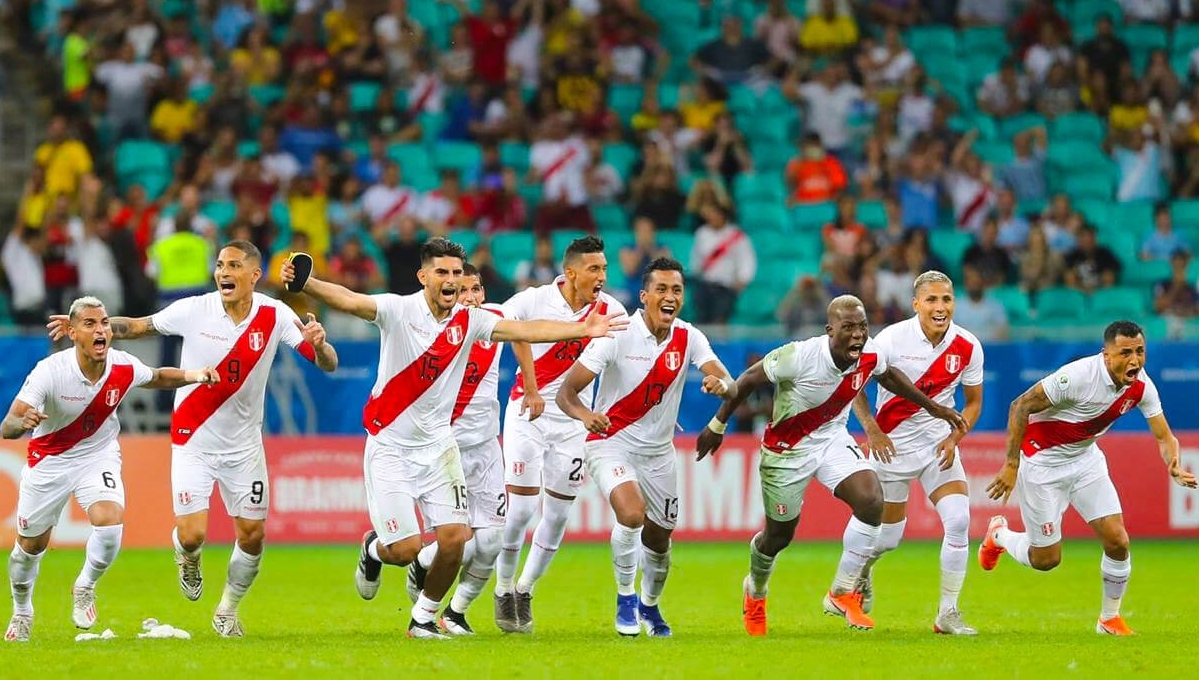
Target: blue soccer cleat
(626, 616)
(651, 619)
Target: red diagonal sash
(1050, 433)
(787, 433)
(941, 374)
(234, 370)
(634, 405)
(397, 208)
(416, 378)
(721, 249)
(975, 205)
(422, 99)
(120, 379)
(559, 163)
(482, 356)
(558, 358)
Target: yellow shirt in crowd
(64, 163)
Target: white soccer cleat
(228, 625)
(951, 623)
(20, 627)
(454, 623)
(368, 572)
(865, 586)
(191, 579)
(83, 611)
(425, 631)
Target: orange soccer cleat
(1113, 626)
(849, 606)
(990, 551)
(754, 612)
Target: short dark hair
(1161, 207)
(440, 247)
(1122, 329)
(251, 251)
(582, 246)
(661, 264)
(469, 269)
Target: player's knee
(34, 545)
(775, 541)
(869, 509)
(251, 539)
(453, 537)
(191, 538)
(956, 523)
(402, 553)
(1115, 544)
(1045, 559)
(487, 545)
(631, 513)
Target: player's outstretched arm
(338, 297)
(577, 380)
(877, 441)
(717, 380)
(1167, 443)
(710, 438)
(895, 382)
(1034, 400)
(531, 402)
(596, 325)
(170, 378)
(21, 418)
(123, 327)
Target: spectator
(732, 58)
(1105, 54)
(1131, 112)
(575, 77)
(804, 309)
(1096, 95)
(893, 230)
(448, 206)
(180, 262)
(368, 168)
(1177, 297)
(1160, 83)
(1058, 94)
(100, 277)
(985, 12)
(778, 29)
(706, 190)
(814, 176)
(220, 166)
(969, 184)
(255, 61)
(496, 285)
(398, 37)
(64, 160)
(301, 304)
(1140, 172)
(919, 190)
(1163, 242)
(362, 58)
(501, 207)
(75, 56)
(725, 152)
(21, 258)
(830, 32)
(138, 216)
(1091, 266)
(1040, 267)
(635, 257)
(1061, 224)
(631, 57)
(1027, 27)
(917, 110)
(886, 66)
(427, 94)
(175, 115)
(981, 314)
(353, 268)
(232, 20)
(873, 174)
(830, 99)
(278, 164)
(674, 140)
(402, 254)
(755, 413)
(1147, 11)
(308, 138)
(346, 217)
(187, 216)
(903, 13)
(841, 236)
(1013, 228)
(490, 34)
(255, 183)
(457, 64)
(987, 256)
(604, 184)
(559, 161)
(701, 109)
(1047, 51)
(656, 195)
(1004, 93)
(542, 269)
(128, 86)
(1025, 175)
(723, 262)
(506, 117)
(386, 202)
(385, 120)
(308, 208)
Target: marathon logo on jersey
(518, 468)
(953, 363)
(454, 334)
(111, 397)
(257, 340)
(1047, 529)
(1127, 406)
(674, 360)
(185, 498)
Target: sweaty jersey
(935, 371)
(226, 417)
(552, 360)
(641, 382)
(421, 365)
(476, 416)
(1086, 401)
(81, 416)
(812, 396)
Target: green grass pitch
(303, 619)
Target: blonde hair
(80, 304)
(929, 277)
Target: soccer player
(546, 452)
(1055, 425)
(69, 402)
(630, 441)
(816, 381)
(216, 431)
(412, 460)
(475, 422)
(936, 355)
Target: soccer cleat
(626, 616)
(191, 580)
(951, 623)
(866, 588)
(505, 613)
(1113, 626)
(416, 580)
(753, 611)
(524, 612)
(20, 627)
(366, 576)
(652, 621)
(425, 631)
(989, 551)
(849, 606)
(83, 611)
(454, 623)
(228, 625)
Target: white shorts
(547, 452)
(400, 481)
(241, 478)
(46, 488)
(1045, 492)
(611, 465)
(483, 469)
(917, 461)
(785, 478)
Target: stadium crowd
(787, 151)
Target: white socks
(555, 513)
(520, 513)
(761, 566)
(243, 568)
(1115, 582)
(624, 557)
(858, 541)
(102, 548)
(373, 550)
(654, 568)
(425, 610)
(22, 573)
(427, 553)
(477, 570)
(889, 536)
(1016, 544)
(954, 510)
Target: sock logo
(1047, 529)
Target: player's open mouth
(99, 342)
(854, 350)
(596, 290)
(1131, 374)
(226, 286)
(449, 292)
(668, 310)
(940, 318)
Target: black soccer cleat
(454, 623)
(366, 576)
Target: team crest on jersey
(674, 360)
(485, 344)
(111, 397)
(185, 498)
(392, 526)
(454, 334)
(518, 468)
(257, 341)
(953, 362)
(1047, 529)
(858, 380)
(780, 509)
(22, 523)
(1126, 406)
(618, 471)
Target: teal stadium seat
(1185, 213)
(363, 96)
(625, 100)
(1118, 302)
(771, 157)
(679, 245)
(515, 155)
(1078, 126)
(1082, 13)
(1185, 39)
(510, 248)
(413, 158)
(266, 95)
(1015, 302)
(1089, 183)
(621, 157)
(1010, 127)
(766, 216)
(1145, 273)
(221, 212)
(460, 156)
(757, 303)
(813, 215)
(990, 40)
(562, 239)
(759, 187)
(467, 238)
(138, 156)
(872, 214)
(611, 218)
(950, 245)
(1060, 304)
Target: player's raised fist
(32, 419)
(715, 385)
(57, 327)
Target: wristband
(717, 426)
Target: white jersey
(226, 417)
(812, 396)
(81, 416)
(934, 370)
(476, 416)
(383, 203)
(421, 364)
(553, 359)
(641, 382)
(1086, 401)
(562, 167)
